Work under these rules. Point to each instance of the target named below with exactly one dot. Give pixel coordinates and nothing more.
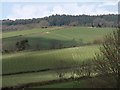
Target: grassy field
(95, 82)
(21, 79)
(61, 32)
(24, 61)
(26, 32)
(14, 80)
(73, 84)
(42, 38)
(27, 61)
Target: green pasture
(26, 32)
(95, 82)
(73, 84)
(33, 60)
(43, 38)
(13, 80)
(61, 32)
(36, 60)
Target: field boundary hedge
(42, 70)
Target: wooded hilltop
(109, 20)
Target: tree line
(109, 20)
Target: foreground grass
(38, 81)
(14, 80)
(73, 84)
(36, 77)
(94, 82)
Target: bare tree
(85, 69)
(108, 61)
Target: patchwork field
(40, 56)
(44, 39)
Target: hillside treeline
(109, 20)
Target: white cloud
(108, 3)
(28, 11)
(42, 0)
(38, 10)
(59, 0)
(75, 9)
(0, 14)
(18, 0)
(103, 11)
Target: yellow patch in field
(47, 32)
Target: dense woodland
(109, 20)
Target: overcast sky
(24, 9)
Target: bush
(108, 61)
(98, 41)
(22, 45)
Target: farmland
(44, 39)
(77, 47)
(26, 61)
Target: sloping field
(13, 80)
(27, 61)
(37, 60)
(62, 32)
(44, 38)
(25, 32)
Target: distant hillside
(61, 20)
